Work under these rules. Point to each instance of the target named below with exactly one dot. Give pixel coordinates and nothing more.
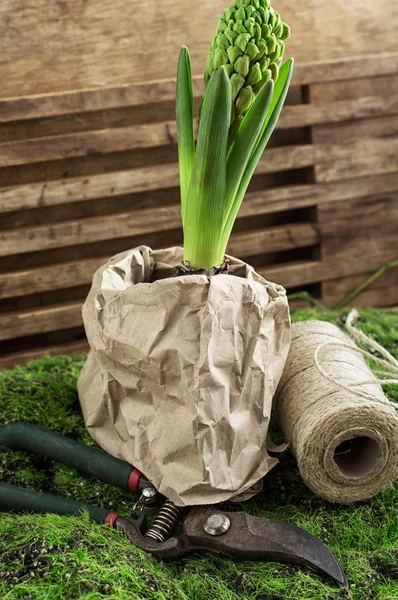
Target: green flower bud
(274, 56)
(209, 63)
(250, 10)
(237, 83)
(242, 65)
(242, 40)
(257, 18)
(271, 44)
(262, 49)
(222, 41)
(229, 13)
(252, 50)
(264, 63)
(286, 32)
(234, 53)
(278, 31)
(255, 75)
(272, 19)
(244, 100)
(220, 58)
(239, 28)
(266, 77)
(278, 21)
(249, 26)
(263, 14)
(274, 71)
(265, 31)
(221, 25)
(257, 33)
(241, 14)
(229, 69)
(231, 35)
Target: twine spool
(340, 425)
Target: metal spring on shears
(165, 522)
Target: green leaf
(278, 99)
(245, 142)
(185, 131)
(204, 214)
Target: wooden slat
(85, 100)
(15, 359)
(120, 139)
(54, 277)
(41, 320)
(160, 219)
(382, 292)
(79, 273)
(358, 247)
(351, 131)
(353, 159)
(274, 239)
(86, 231)
(374, 213)
(104, 142)
(360, 230)
(296, 274)
(326, 92)
(105, 185)
(349, 67)
(80, 189)
(60, 147)
(304, 115)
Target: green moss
(46, 557)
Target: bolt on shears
(176, 531)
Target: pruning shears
(176, 531)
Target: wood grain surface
(59, 45)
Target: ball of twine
(340, 425)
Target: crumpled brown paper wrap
(182, 371)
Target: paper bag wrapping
(182, 371)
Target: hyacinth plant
(246, 86)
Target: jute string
(340, 425)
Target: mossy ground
(46, 557)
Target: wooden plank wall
(86, 174)
(48, 46)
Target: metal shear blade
(246, 537)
